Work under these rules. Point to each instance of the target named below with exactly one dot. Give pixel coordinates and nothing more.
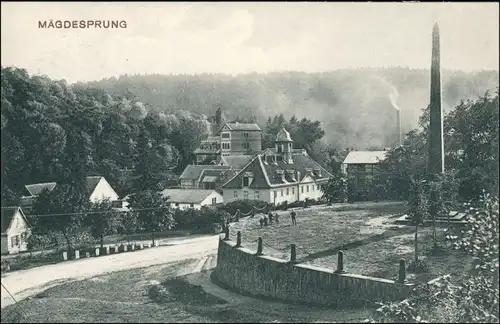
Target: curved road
(25, 283)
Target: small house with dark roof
(278, 175)
(192, 198)
(15, 230)
(362, 169)
(205, 176)
(98, 189)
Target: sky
(238, 37)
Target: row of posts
(293, 256)
(108, 250)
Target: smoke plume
(393, 94)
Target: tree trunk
(68, 242)
(153, 237)
(102, 232)
(416, 243)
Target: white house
(98, 189)
(15, 230)
(192, 198)
(278, 175)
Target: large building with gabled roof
(278, 175)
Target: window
(245, 194)
(281, 192)
(275, 194)
(302, 189)
(214, 201)
(235, 194)
(307, 188)
(225, 135)
(245, 145)
(191, 205)
(287, 191)
(313, 187)
(245, 181)
(23, 236)
(245, 134)
(226, 146)
(257, 195)
(14, 241)
(293, 190)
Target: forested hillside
(52, 131)
(354, 106)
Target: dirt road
(25, 283)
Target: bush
(5, 266)
(199, 221)
(418, 267)
(244, 206)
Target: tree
(417, 207)
(152, 210)
(61, 210)
(101, 219)
(335, 190)
(470, 299)
(129, 223)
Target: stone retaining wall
(241, 269)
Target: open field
(371, 242)
(162, 294)
(318, 230)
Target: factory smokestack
(398, 128)
(436, 147)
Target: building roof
(242, 127)
(283, 136)
(92, 182)
(187, 196)
(37, 188)
(365, 157)
(265, 169)
(193, 172)
(206, 151)
(238, 162)
(7, 216)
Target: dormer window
(317, 173)
(247, 179)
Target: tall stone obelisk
(435, 164)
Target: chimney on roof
(298, 176)
(218, 116)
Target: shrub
(5, 266)
(244, 206)
(419, 266)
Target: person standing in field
(276, 218)
(294, 219)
